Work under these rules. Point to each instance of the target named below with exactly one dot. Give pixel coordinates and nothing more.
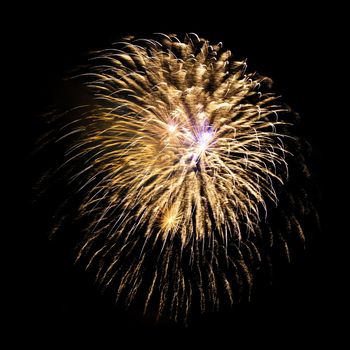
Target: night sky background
(56, 303)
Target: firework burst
(178, 162)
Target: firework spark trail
(182, 157)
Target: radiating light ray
(179, 161)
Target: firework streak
(180, 158)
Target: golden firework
(181, 157)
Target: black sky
(289, 43)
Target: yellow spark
(170, 220)
(171, 128)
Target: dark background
(295, 46)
